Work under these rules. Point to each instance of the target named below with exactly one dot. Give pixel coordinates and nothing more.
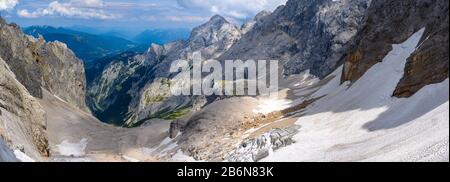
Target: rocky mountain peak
(214, 24)
(247, 26)
(261, 15)
(216, 31)
(217, 19)
(156, 49)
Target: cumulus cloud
(87, 9)
(8, 4)
(237, 9)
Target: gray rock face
(63, 74)
(247, 26)
(19, 53)
(22, 119)
(392, 22)
(213, 37)
(303, 35)
(38, 65)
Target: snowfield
(362, 122)
(72, 149)
(6, 155)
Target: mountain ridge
(86, 46)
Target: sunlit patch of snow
(148, 151)
(306, 79)
(72, 159)
(59, 98)
(130, 159)
(332, 85)
(22, 156)
(267, 105)
(169, 147)
(165, 146)
(72, 149)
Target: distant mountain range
(87, 47)
(161, 36)
(90, 45)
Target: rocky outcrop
(22, 119)
(212, 134)
(303, 35)
(214, 131)
(392, 22)
(38, 65)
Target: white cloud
(87, 3)
(237, 9)
(8, 4)
(186, 18)
(87, 9)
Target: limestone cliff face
(392, 22)
(38, 65)
(63, 73)
(22, 119)
(18, 51)
(303, 35)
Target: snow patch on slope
(22, 156)
(362, 122)
(72, 149)
(271, 104)
(6, 155)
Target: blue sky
(131, 15)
